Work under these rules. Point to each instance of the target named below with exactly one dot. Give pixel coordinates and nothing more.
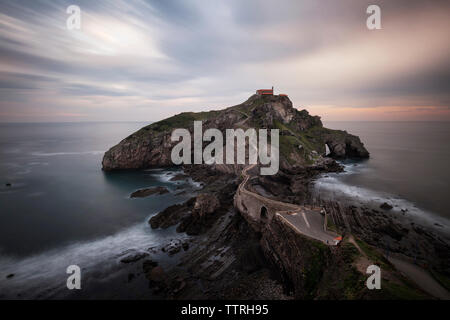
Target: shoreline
(192, 276)
(408, 240)
(213, 242)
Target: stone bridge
(259, 211)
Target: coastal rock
(179, 177)
(142, 193)
(390, 230)
(172, 215)
(173, 247)
(157, 275)
(345, 145)
(205, 204)
(134, 257)
(386, 206)
(143, 149)
(301, 134)
(148, 265)
(177, 285)
(303, 264)
(202, 214)
(194, 215)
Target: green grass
(442, 279)
(373, 255)
(287, 146)
(182, 120)
(315, 267)
(349, 252)
(290, 143)
(391, 290)
(330, 224)
(352, 283)
(406, 290)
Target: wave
(165, 176)
(331, 186)
(44, 275)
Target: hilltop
(302, 136)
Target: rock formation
(142, 193)
(232, 253)
(302, 136)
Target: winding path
(308, 222)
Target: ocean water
(408, 168)
(62, 209)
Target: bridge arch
(264, 215)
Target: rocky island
(269, 237)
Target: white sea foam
(166, 176)
(44, 275)
(331, 185)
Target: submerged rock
(202, 214)
(157, 275)
(148, 265)
(134, 257)
(173, 247)
(386, 206)
(142, 193)
(179, 177)
(171, 215)
(194, 215)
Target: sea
(58, 208)
(61, 209)
(408, 168)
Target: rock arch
(264, 215)
(327, 150)
(344, 145)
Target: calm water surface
(62, 209)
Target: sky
(136, 60)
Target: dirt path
(421, 277)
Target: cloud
(141, 59)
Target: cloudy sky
(146, 60)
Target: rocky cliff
(211, 216)
(302, 136)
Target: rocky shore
(226, 258)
